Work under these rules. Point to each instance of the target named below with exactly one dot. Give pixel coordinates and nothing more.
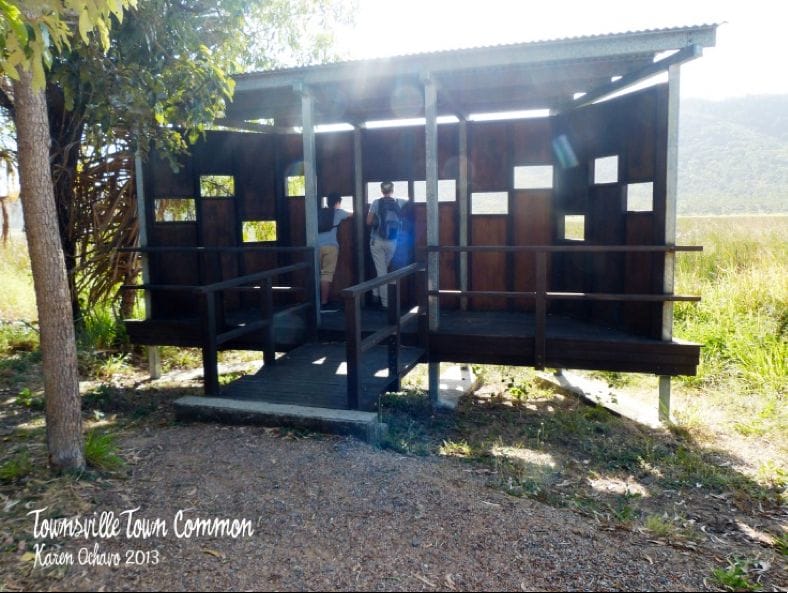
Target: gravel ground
(331, 513)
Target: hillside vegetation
(733, 156)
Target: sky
(749, 57)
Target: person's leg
(328, 265)
(377, 249)
(389, 248)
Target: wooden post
(209, 346)
(353, 350)
(464, 207)
(433, 225)
(671, 181)
(310, 180)
(540, 309)
(664, 399)
(394, 341)
(154, 354)
(267, 315)
(358, 203)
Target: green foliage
(16, 468)
(733, 155)
(735, 577)
(101, 451)
(781, 544)
(18, 300)
(27, 399)
(742, 277)
(30, 31)
(18, 338)
(259, 230)
(660, 526)
(217, 186)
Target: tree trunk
(5, 215)
(53, 300)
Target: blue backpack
(389, 219)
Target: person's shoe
(328, 308)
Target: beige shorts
(328, 262)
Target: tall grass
(17, 299)
(742, 321)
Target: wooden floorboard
(315, 374)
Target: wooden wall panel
(641, 318)
(606, 226)
(335, 170)
(531, 141)
(219, 230)
(173, 268)
(641, 115)
(166, 183)
(488, 153)
(256, 177)
(531, 212)
(488, 271)
(346, 264)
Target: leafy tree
(29, 32)
(164, 79)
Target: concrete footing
(363, 425)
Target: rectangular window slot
(575, 227)
(447, 191)
(258, 231)
(533, 177)
(174, 210)
(640, 197)
(490, 203)
(217, 186)
(295, 186)
(373, 190)
(606, 170)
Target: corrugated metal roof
(503, 46)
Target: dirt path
(330, 513)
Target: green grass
(734, 577)
(18, 301)
(101, 451)
(16, 468)
(742, 321)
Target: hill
(733, 155)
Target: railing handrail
(566, 296)
(223, 284)
(358, 289)
(264, 275)
(563, 248)
(357, 345)
(216, 249)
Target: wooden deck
(315, 375)
(492, 337)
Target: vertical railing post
(267, 315)
(209, 346)
(395, 340)
(353, 349)
(311, 292)
(424, 322)
(540, 309)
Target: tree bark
(53, 298)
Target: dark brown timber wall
(633, 129)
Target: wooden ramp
(315, 375)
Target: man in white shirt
(329, 251)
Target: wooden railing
(540, 295)
(357, 345)
(214, 330)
